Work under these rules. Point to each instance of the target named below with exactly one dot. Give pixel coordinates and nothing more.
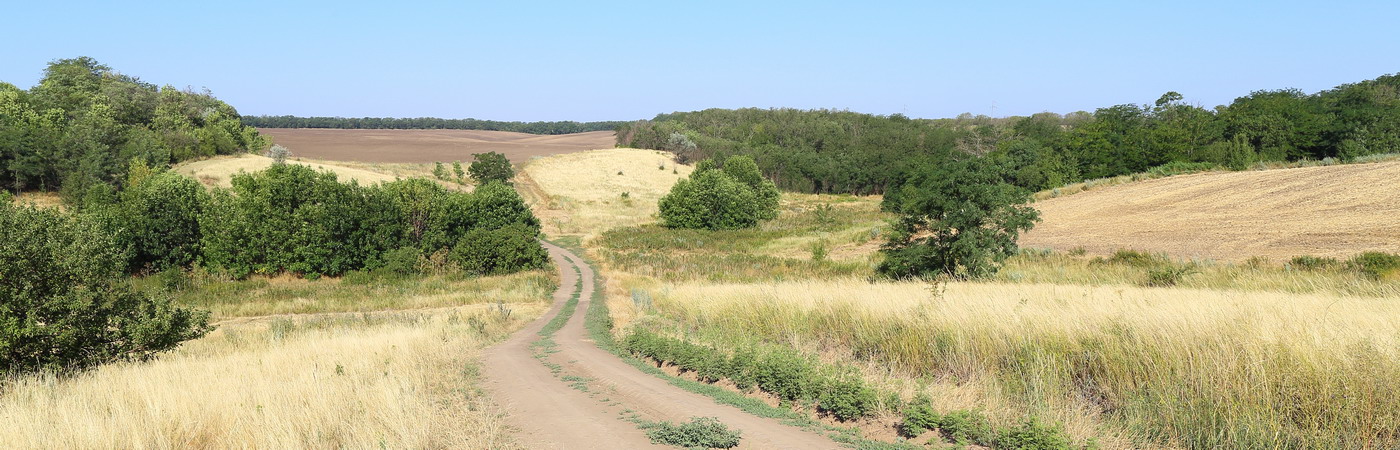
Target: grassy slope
(1239, 355)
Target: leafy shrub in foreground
(846, 398)
(64, 300)
(1033, 435)
(700, 432)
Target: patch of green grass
(700, 432)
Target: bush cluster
(1376, 265)
(971, 427)
(290, 218)
(781, 372)
(720, 198)
(65, 303)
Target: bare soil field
(1335, 211)
(426, 146)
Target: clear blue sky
(593, 60)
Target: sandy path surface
(1335, 211)
(427, 146)
(588, 410)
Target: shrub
(700, 432)
(159, 218)
(1308, 262)
(490, 166)
(1167, 275)
(846, 398)
(786, 374)
(966, 427)
(1135, 258)
(734, 197)
(1033, 435)
(1375, 264)
(499, 251)
(742, 369)
(402, 261)
(64, 300)
(918, 418)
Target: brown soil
(549, 412)
(1335, 211)
(426, 146)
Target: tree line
(845, 152)
(66, 302)
(84, 125)
(428, 123)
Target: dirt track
(426, 146)
(587, 412)
(1336, 211)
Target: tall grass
(1173, 367)
(361, 380)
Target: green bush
(1033, 435)
(700, 432)
(510, 249)
(786, 374)
(735, 196)
(742, 369)
(1135, 258)
(1308, 262)
(1167, 275)
(65, 302)
(967, 427)
(918, 418)
(846, 398)
(489, 167)
(1375, 264)
(403, 261)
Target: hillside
(219, 171)
(426, 146)
(1278, 214)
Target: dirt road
(577, 396)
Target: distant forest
(428, 123)
(844, 152)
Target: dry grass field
(1336, 211)
(219, 171)
(427, 146)
(587, 192)
(1180, 367)
(373, 380)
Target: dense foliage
(84, 124)
(490, 166)
(841, 151)
(290, 218)
(64, 301)
(959, 219)
(428, 123)
(501, 250)
(720, 198)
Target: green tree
(959, 219)
(64, 303)
(509, 249)
(490, 166)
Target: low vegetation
(700, 432)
